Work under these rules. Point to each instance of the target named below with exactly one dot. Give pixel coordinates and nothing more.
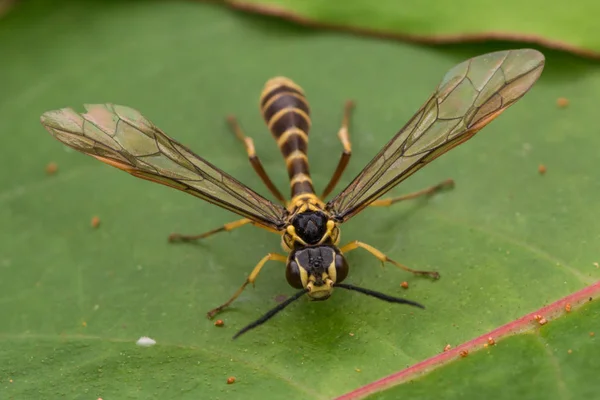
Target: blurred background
(86, 269)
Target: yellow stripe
(288, 133)
(277, 82)
(294, 155)
(306, 197)
(280, 95)
(305, 201)
(300, 178)
(286, 110)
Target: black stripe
(288, 120)
(283, 102)
(295, 142)
(275, 91)
(302, 187)
(298, 166)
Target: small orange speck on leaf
(568, 307)
(491, 341)
(542, 321)
(464, 353)
(51, 168)
(219, 322)
(592, 334)
(485, 345)
(562, 102)
(95, 222)
(404, 285)
(231, 380)
(542, 169)
(447, 348)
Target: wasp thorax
(310, 226)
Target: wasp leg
(345, 157)
(253, 158)
(177, 237)
(250, 279)
(447, 184)
(383, 258)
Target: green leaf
(572, 27)
(559, 360)
(506, 240)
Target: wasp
(471, 95)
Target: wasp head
(316, 269)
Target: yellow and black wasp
(469, 97)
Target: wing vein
(452, 115)
(121, 137)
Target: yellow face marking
(331, 271)
(303, 275)
(286, 110)
(319, 291)
(290, 132)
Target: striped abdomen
(287, 115)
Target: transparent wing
(469, 97)
(122, 137)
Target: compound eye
(293, 276)
(341, 268)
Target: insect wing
(123, 138)
(469, 97)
